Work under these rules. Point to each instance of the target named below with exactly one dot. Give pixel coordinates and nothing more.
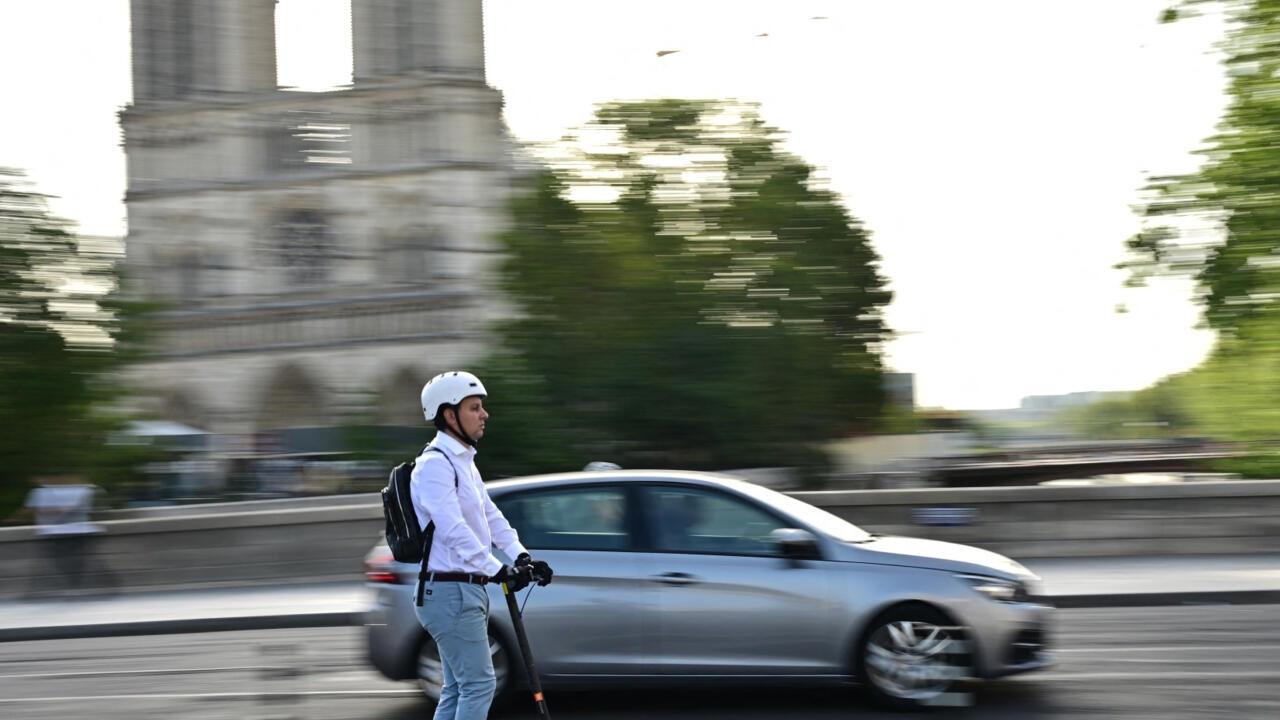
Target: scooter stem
(535, 684)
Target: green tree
(59, 344)
(1158, 411)
(690, 295)
(1237, 189)
(1235, 394)
(1221, 226)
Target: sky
(994, 148)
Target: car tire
(430, 671)
(913, 656)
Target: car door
(727, 602)
(592, 619)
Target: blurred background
(821, 245)
(325, 203)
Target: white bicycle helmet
(449, 388)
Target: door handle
(676, 579)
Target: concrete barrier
(208, 546)
(322, 539)
(1044, 521)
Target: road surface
(1161, 663)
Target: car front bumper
(1013, 638)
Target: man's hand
(541, 570)
(516, 578)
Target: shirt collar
(445, 441)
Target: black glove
(516, 578)
(541, 570)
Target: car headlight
(1005, 591)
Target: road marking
(121, 673)
(406, 692)
(1053, 676)
(338, 673)
(412, 692)
(1166, 648)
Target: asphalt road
(1167, 663)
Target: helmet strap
(455, 427)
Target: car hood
(934, 555)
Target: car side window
(592, 518)
(693, 520)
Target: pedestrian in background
(62, 507)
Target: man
(447, 490)
(63, 507)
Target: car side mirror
(796, 545)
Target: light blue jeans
(457, 616)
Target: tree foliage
(1234, 395)
(690, 296)
(1221, 226)
(59, 343)
(1157, 411)
(1235, 194)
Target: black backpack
(408, 543)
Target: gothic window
(218, 274)
(168, 37)
(414, 28)
(187, 278)
(292, 398)
(304, 246)
(404, 35)
(153, 36)
(398, 402)
(181, 47)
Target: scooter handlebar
(539, 570)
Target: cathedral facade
(315, 257)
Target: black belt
(458, 577)
(424, 577)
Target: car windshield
(816, 518)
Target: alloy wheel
(914, 661)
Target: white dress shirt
(468, 524)
(63, 509)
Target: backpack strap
(430, 532)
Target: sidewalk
(180, 611)
(1068, 583)
(1159, 580)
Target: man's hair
(438, 420)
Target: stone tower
(316, 255)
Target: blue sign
(944, 516)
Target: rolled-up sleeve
(435, 498)
(504, 536)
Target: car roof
(688, 477)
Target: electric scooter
(531, 672)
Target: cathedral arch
(292, 398)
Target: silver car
(668, 576)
